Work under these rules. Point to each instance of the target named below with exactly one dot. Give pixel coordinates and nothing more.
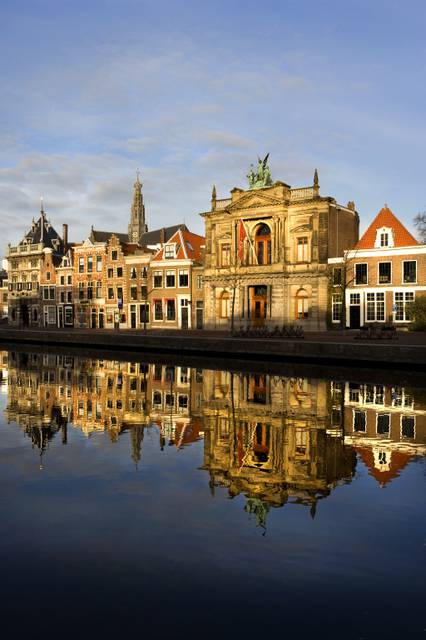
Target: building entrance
(259, 305)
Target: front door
(93, 321)
(199, 314)
(25, 315)
(60, 316)
(184, 316)
(133, 316)
(354, 316)
(259, 306)
(101, 318)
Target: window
(62, 280)
(81, 265)
(110, 293)
(302, 249)
(170, 310)
(89, 264)
(199, 282)
(354, 298)
(69, 280)
(384, 239)
(385, 272)
(45, 293)
(158, 279)
(158, 309)
(133, 273)
(375, 307)
(361, 273)
(401, 300)
(51, 315)
(156, 398)
(110, 273)
(119, 272)
(69, 296)
(169, 251)
(89, 290)
(62, 295)
(336, 307)
(224, 305)
(263, 244)
(337, 276)
(114, 255)
(170, 279)
(408, 424)
(409, 271)
(225, 255)
(144, 292)
(51, 293)
(48, 275)
(120, 293)
(302, 305)
(98, 263)
(133, 293)
(99, 289)
(383, 424)
(359, 421)
(183, 278)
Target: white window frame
(404, 293)
(157, 273)
(378, 272)
(360, 284)
(169, 272)
(382, 413)
(183, 272)
(375, 303)
(402, 273)
(169, 251)
(404, 415)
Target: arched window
(302, 304)
(263, 244)
(224, 305)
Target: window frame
(360, 264)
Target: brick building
(380, 276)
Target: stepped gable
(160, 235)
(385, 218)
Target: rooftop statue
(262, 177)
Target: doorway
(25, 315)
(184, 317)
(259, 305)
(354, 317)
(133, 317)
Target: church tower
(137, 224)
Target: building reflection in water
(272, 439)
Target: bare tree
(420, 224)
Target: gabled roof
(42, 232)
(188, 246)
(385, 218)
(156, 236)
(398, 461)
(104, 236)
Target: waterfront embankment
(409, 350)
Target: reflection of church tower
(137, 224)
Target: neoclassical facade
(266, 254)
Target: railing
(26, 248)
(222, 204)
(302, 194)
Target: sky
(191, 92)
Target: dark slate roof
(43, 232)
(154, 237)
(104, 236)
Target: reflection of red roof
(398, 461)
(188, 245)
(385, 218)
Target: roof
(42, 232)
(398, 460)
(385, 218)
(104, 236)
(156, 236)
(188, 246)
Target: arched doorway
(263, 245)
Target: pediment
(88, 243)
(254, 199)
(301, 227)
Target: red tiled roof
(398, 462)
(192, 242)
(385, 218)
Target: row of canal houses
(271, 255)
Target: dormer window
(169, 251)
(384, 238)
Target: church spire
(316, 183)
(137, 224)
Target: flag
(242, 235)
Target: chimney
(162, 235)
(65, 235)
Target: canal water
(173, 501)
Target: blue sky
(192, 92)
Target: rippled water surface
(171, 501)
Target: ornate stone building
(266, 253)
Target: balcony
(25, 249)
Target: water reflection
(272, 439)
